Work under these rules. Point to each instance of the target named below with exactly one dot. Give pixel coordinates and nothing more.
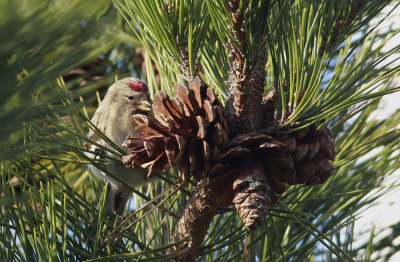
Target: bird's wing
(101, 125)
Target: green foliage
(300, 59)
(52, 214)
(40, 41)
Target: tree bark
(246, 79)
(195, 221)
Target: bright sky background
(387, 210)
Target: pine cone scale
(202, 131)
(209, 111)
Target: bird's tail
(116, 199)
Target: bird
(114, 118)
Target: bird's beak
(144, 106)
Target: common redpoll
(113, 117)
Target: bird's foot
(98, 152)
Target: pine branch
(195, 221)
(246, 77)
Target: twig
(349, 113)
(251, 245)
(340, 27)
(194, 223)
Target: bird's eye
(130, 97)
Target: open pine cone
(188, 130)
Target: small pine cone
(188, 130)
(252, 194)
(312, 154)
(311, 148)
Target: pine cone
(311, 151)
(252, 194)
(188, 130)
(256, 168)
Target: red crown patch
(138, 86)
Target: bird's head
(125, 98)
(129, 96)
